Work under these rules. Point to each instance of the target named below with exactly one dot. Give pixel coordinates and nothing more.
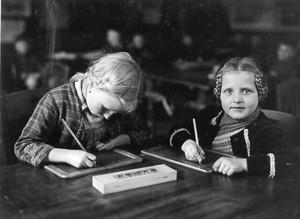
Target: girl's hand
(116, 142)
(80, 159)
(228, 166)
(193, 151)
(105, 146)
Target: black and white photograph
(207, 90)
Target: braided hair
(118, 74)
(242, 64)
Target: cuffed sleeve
(270, 150)
(183, 131)
(178, 137)
(31, 146)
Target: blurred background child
(283, 73)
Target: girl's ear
(218, 96)
(265, 91)
(216, 92)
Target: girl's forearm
(121, 140)
(76, 158)
(58, 155)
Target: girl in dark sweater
(238, 127)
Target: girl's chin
(237, 116)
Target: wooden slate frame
(66, 171)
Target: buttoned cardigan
(262, 142)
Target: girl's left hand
(228, 166)
(105, 146)
(121, 140)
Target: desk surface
(29, 192)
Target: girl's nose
(108, 114)
(237, 98)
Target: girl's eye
(227, 91)
(246, 91)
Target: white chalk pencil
(196, 138)
(196, 131)
(74, 136)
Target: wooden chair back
(290, 122)
(15, 110)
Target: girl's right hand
(80, 159)
(193, 151)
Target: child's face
(114, 38)
(102, 103)
(138, 41)
(187, 40)
(284, 52)
(239, 97)
(22, 47)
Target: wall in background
(81, 25)
(264, 15)
(13, 16)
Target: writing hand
(79, 159)
(193, 151)
(228, 166)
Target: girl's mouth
(237, 108)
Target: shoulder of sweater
(262, 121)
(65, 91)
(65, 95)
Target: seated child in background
(28, 64)
(114, 41)
(186, 55)
(284, 74)
(239, 128)
(138, 50)
(97, 105)
(285, 66)
(54, 74)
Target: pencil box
(133, 178)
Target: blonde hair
(119, 75)
(242, 64)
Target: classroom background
(179, 44)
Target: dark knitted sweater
(263, 136)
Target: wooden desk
(28, 192)
(196, 78)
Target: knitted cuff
(272, 165)
(178, 137)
